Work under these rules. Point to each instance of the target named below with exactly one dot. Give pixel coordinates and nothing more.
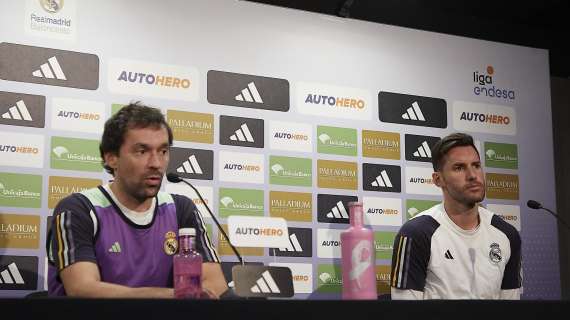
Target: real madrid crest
(495, 253)
(170, 243)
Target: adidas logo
(448, 255)
(190, 166)
(242, 134)
(115, 248)
(18, 112)
(424, 151)
(339, 211)
(265, 284)
(294, 244)
(414, 113)
(250, 94)
(382, 180)
(11, 275)
(46, 72)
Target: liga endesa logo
(484, 85)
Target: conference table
(107, 309)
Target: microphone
(174, 178)
(537, 205)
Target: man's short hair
(132, 116)
(443, 146)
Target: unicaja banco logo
(20, 190)
(485, 86)
(290, 171)
(75, 154)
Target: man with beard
(457, 249)
(118, 240)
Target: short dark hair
(131, 116)
(443, 146)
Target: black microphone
(174, 178)
(537, 205)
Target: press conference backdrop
(275, 112)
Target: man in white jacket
(457, 249)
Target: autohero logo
(302, 274)
(328, 243)
(241, 167)
(418, 148)
(292, 206)
(225, 249)
(49, 66)
(290, 136)
(191, 126)
(242, 202)
(381, 177)
(75, 154)
(502, 186)
(248, 91)
(486, 118)
(25, 110)
(142, 78)
(19, 231)
(18, 272)
(382, 211)
(379, 144)
(332, 208)
(77, 115)
(412, 110)
(419, 181)
(333, 101)
(192, 163)
(27, 152)
(484, 85)
(20, 190)
(61, 187)
(300, 244)
(243, 132)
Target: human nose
(154, 160)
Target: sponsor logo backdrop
(287, 126)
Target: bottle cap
(355, 203)
(187, 232)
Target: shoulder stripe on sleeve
(395, 273)
(205, 238)
(94, 219)
(400, 274)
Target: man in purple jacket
(118, 240)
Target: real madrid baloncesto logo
(495, 253)
(170, 243)
(51, 6)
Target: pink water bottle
(358, 258)
(187, 266)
